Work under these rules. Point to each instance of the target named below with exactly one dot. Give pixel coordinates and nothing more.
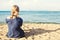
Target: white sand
(34, 31)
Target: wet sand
(34, 31)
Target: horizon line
(40, 10)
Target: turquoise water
(34, 16)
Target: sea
(34, 16)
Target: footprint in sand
(10, 39)
(0, 38)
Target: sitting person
(14, 24)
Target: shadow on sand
(38, 31)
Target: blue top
(14, 27)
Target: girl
(14, 24)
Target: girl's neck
(13, 17)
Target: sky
(31, 5)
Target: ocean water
(34, 16)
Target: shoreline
(43, 22)
(36, 22)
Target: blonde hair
(17, 9)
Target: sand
(34, 31)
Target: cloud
(41, 5)
(50, 5)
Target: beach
(34, 31)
